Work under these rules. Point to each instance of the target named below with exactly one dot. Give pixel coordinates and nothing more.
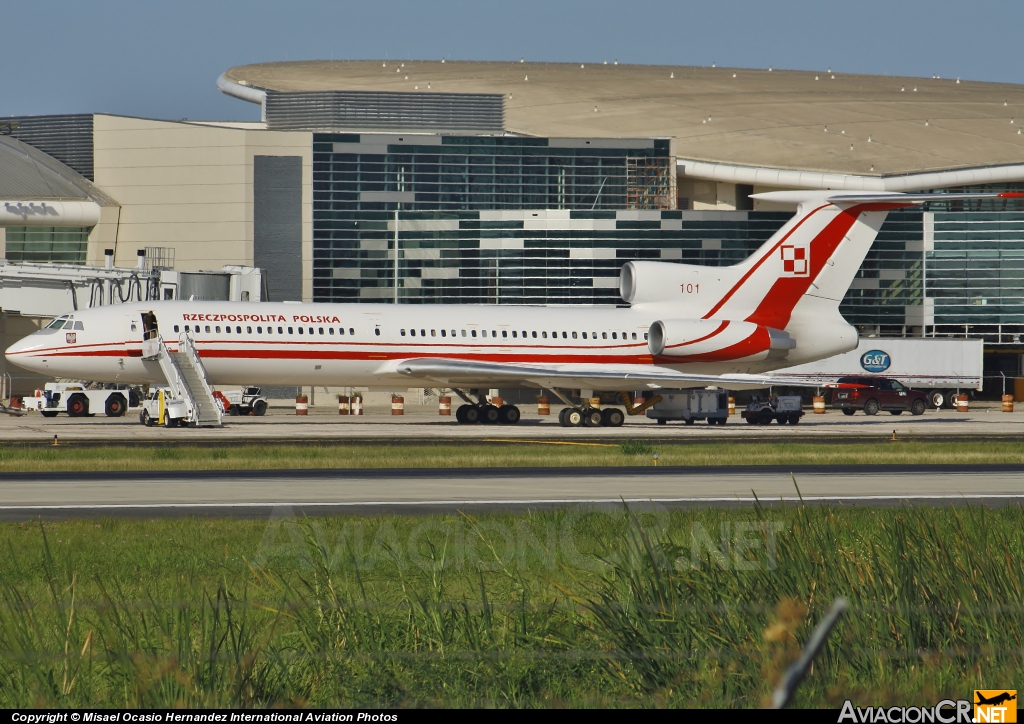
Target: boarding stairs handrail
(208, 410)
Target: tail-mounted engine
(716, 340)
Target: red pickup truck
(872, 394)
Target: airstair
(186, 379)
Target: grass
(92, 457)
(573, 607)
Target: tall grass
(685, 608)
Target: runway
(317, 492)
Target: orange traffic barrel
(595, 403)
(397, 405)
(732, 405)
(543, 406)
(301, 405)
(356, 404)
(961, 403)
(818, 403)
(497, 401)
(343, 408)
(444, 406)
(1007, 403)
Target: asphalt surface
(257, 493)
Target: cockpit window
(58, 323)
(79, 327)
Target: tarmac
(281, 424)
(316, 492)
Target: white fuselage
(356, 345)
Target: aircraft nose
(17, 352)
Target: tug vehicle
(246, 401)
(781, 408)
(77, 400)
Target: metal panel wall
(277, 224)
(68, 138)
(385, 111)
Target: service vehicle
(246, 401)
(78, 400)
(690, 406)
(939, 367)
(874, 394)
(781, 408)
(160, 408)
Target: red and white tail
(810, 262)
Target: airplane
(686, 326)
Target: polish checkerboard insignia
(795, 261)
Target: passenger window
(584, 335)
(351, 330)
(544, 335)
(186, 327)
(433, 333)
(280, 330)
(443, 333)
(259, 330)
(226, 329)
(525, 335)
(535, 335)
(574, 335)
(474, 332)
(300, 330)
(634, 335)
(248, 330)
(217, 330)
(463, 333)
(175, 327)
(504, 333)
(401, 333)
(330, 331)
(423, 333)
(645, 336)
(320, 330)
(604, 335)
(238, 330)
(311, 330)
(376, 331)
(513, 334)
(412, 332)
(207, 328)
(565, 336)
(614, 336)
(493, 333)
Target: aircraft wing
(461, 373)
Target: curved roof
(773, 118)
(28, 173)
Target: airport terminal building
(527, 183)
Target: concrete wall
(188, 186)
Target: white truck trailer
(941, 367)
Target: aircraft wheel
(472, 415)
(78, 406)
(561, 416)
(460, 414)
(611, 417)
(592, 417)
(489, 415)
(509, 415)
(573, 417)
(259, 408)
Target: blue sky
(161, 59)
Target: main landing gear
(484, 412)
(590, 417)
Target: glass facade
(512, 220)
(45, 244)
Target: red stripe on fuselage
(721, 328)
(759, 341)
